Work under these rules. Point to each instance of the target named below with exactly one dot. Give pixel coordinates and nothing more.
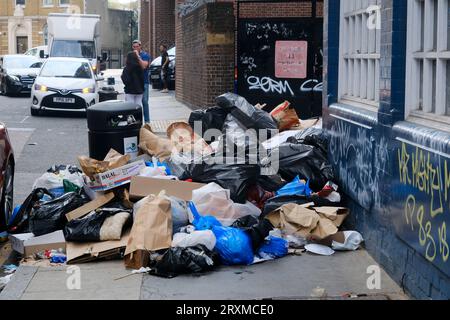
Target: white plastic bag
(214, 200)
(353, 240)
(55, 182)
(185, 240)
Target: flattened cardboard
(142, 187)
(340, 214)
(90, 206)
(116, 177)
(27, 244)
(91, 251)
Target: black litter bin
(107, 94)
(116, 125)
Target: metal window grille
(360, 36)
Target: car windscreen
(67, 69)
(172, 52)
(73, 48)
(20, 62)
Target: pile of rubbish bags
(272, 193)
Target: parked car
(65, 84)
(6, 177)
(40, 52)
(155, 71)
(17, 73)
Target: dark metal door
(280, 59)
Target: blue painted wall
(396, 174)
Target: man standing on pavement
(144, 61)
(164, 68)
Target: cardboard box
(91, 251)
(100, 201)
(116, 177)
(144, 186)
(27, 244)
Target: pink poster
(291, 58)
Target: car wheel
(34, 112)
(7, 200)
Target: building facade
(387, 110)
(23, 22)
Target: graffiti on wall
(425, 177)
(279, 60)
(359, 161)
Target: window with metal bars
(428, 60)
(360, 34)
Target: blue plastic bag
(203, 223)
(296, 187)
(274, 248)
(158, 164)
(234, 246)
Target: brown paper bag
(153, 145)
(152, 231)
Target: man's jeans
(145, 105)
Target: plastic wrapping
(179, 260)
(100, 225)
(258, 230)
(20, 222)
(234, 246)
(180, 215)
(53, 179)
(306, 161)
(296, 187)
(205, 237)
(202, 222)
(247, 115)
(50, 216)
(215, 200)
(274, 248)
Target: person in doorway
(164, 68)
(133, 79)
(144, 61)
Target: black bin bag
(178, 261)
(50, 216)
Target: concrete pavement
(44, 141)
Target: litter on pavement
(176, 210)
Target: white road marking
(25, 119)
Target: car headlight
(88, 90)
(14, 78)
(41, 88)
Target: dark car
(155, 71)
(6, 177)
(17, 73)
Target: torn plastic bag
(216, 201)
(180, 215)
(236, 177)
(50, 216)
(185, 240)
(204, 120)
(277, 202)
(306, 161)
(202, 222)
(179, 260)
(234, 246)
(248, 115)
(274, 248)
(20, 222)
(53, 179)
(258, 230)
(100, 225)
(296, 187)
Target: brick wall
(205, 54)
(144, 25)
(157, 25)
